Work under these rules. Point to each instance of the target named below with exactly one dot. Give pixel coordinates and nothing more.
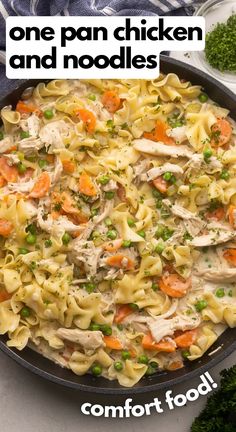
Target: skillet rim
(173, 378)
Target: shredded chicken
(52, 134)
(158, 171)
(84, 251)
(216, 275)
(89, 340)
(193, 224)
(57, 171)
(5, 144)
(161, 328)
(159, 149)
(198, 163)
(30, 145)
(178, 133)
(214, 237)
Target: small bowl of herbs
(219, 56)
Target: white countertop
(28, 403)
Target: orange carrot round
(9, 173)
(159, 133)
(160, 184)
(88, 118)
(186, 339)
(221, 133)
(69, 166)
(230, 256)
(86, 186)
(120, 261)
(111, 101)
(174, 285)
(41, 186)
(149, 343)
(122, 312)
(112, 343)
(232, 215)
(6, 227)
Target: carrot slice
(41, 186)
(67, 203)
(69, 166)
(160, 184)
(217, 214)
(159, 133)
(122, 312)
(4, 295)
(112, 246)
(221, 133)
(3, 182)
(111, 101)
(186, 339)
(6, 227)
(232, 215)
(86, 185)
(149, 343)
(230, 256)
(120, 261)
(9, 173)
(88, 118)
(24, 108)
(112, 343)
(174, 285)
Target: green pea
(207, 153)
(225, 174)
(95, 234)
(42, 163)
(48, 114)
(108, 221)
(154, 364)
(21, 168)
(110, 123)
(126, 243)
(66, 238)
(155, 286)
(120, 327)
(130, 222)
(156, 193)
(133, 306)
(89, 287)
(24, 134)
(167, 176)
(220, 292)
(48, 243)
(92, 97)
(104, 179)
(109, 195)
(159, 248)
(106, 329)
(94, 212)
(159, 203)
(143, 359)
(200, 305)
(31, 239)
(1, 135)
(118, 366)
(23, 251)
(125, 355)
(167, 234)
(112, 234)
(94, 327)
(96, 370)
(173, 179)
(185, 354)
(31, 228)
(25, 312)
(150, 370)
(141, 233)
(203, 97)
(159, 231)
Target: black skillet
(224, 345)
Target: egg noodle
(117, 224)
